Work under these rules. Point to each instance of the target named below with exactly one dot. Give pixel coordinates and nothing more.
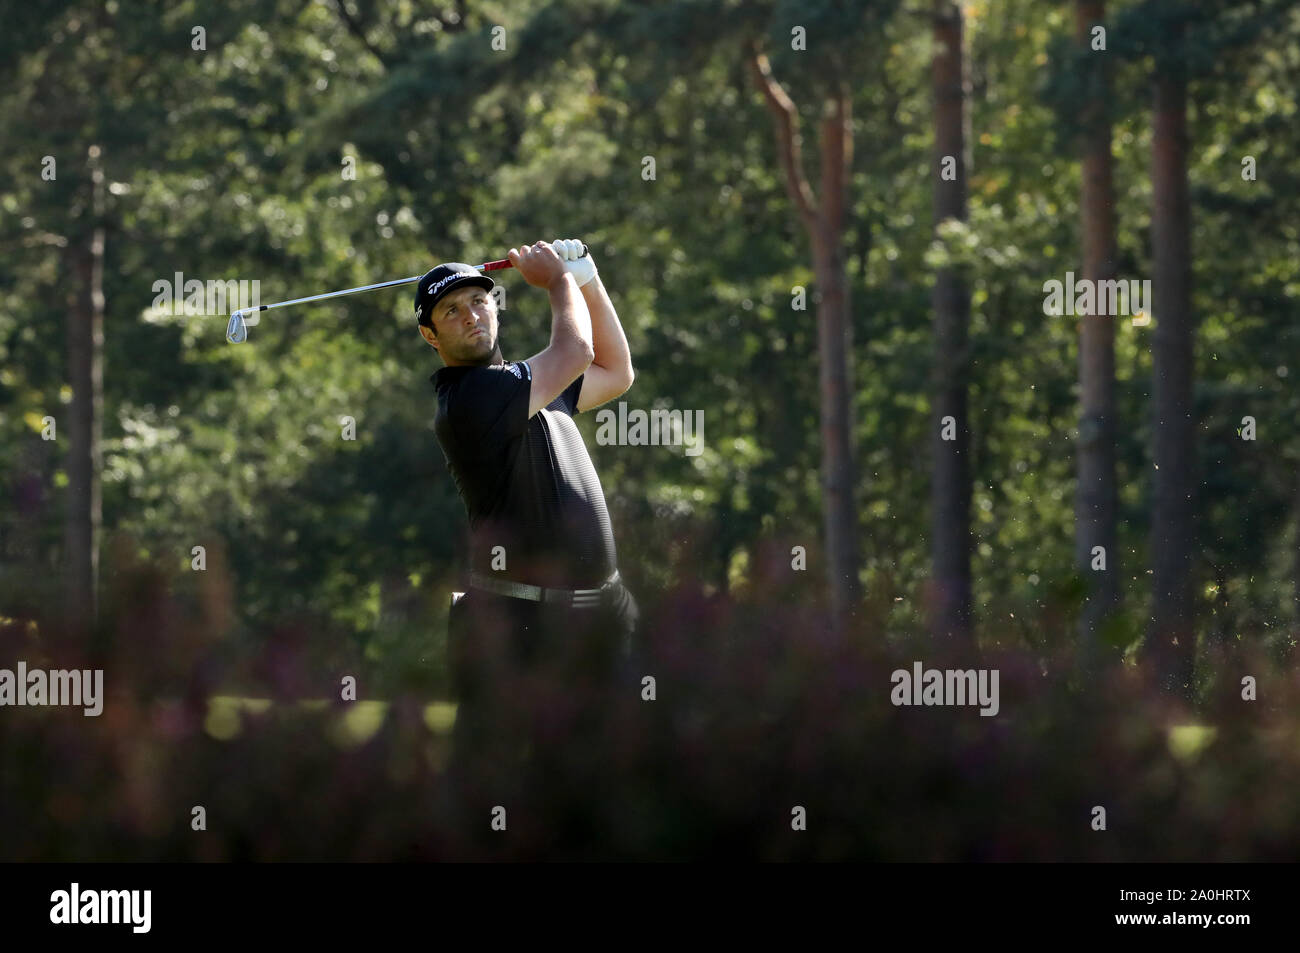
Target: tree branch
(355, 28)
(787, 136)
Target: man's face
(465, 327)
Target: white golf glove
(582, 267)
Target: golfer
(536, 641)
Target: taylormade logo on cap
(433, 289)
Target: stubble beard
(484, 357)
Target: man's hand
(582, 267)
(539, 264)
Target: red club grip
(505, 262)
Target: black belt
(575, 598)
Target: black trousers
(541, 691)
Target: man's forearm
(607, 337)
(570, 319)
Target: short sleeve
(491, 404)
(569, 396)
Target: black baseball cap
(440, 281)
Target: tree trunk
(824, 222)
(1295, 631)
(1097, 494)
(85, 346)
(835, 348)
(950, 487)
(1170, 642)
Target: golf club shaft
(237, 329)
(488, 266)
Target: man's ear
(429, 336)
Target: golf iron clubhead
(236, 330)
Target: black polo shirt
(527, 483)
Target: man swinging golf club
(536, 641)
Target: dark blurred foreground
(758, 711)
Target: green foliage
(229, 164)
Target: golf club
(237, 329)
